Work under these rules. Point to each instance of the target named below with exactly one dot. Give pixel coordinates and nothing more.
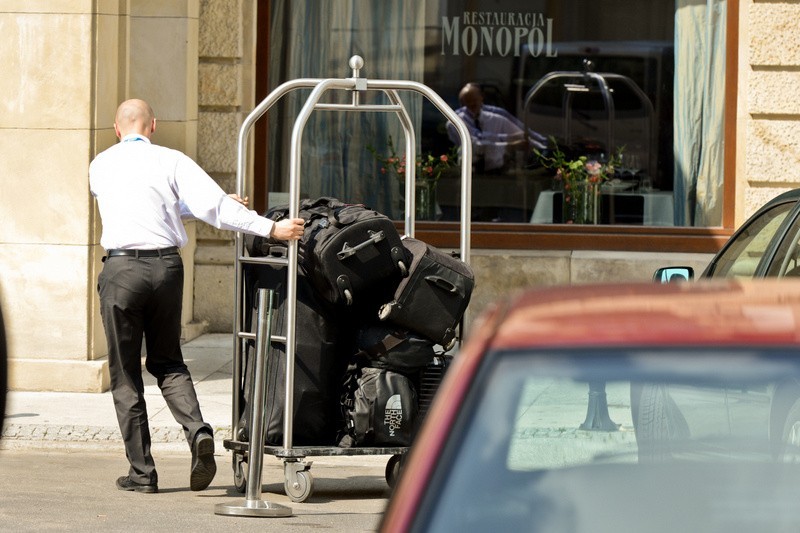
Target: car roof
(792, 194)
(705, 312)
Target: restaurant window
(635, 86)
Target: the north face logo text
(393, 415)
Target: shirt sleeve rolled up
(204, 200)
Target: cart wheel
(239, 476)
(298, 482)
(403, 268)
(393, 469)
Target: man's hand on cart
(244, 201)
(288, 229)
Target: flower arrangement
(429, 168)
(580, 180)
(581, 169)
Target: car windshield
(641, 440)
(742, 256)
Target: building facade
(205, 64)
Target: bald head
(134, 116)
(471, 97)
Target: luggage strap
(389, 341)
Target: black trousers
(143, 297)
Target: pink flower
(593, 168)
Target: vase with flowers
(579, 181)
(428, 169)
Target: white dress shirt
(144, 190)
(491, 133)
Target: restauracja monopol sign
(497, 33)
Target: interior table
(507, 197)
(652, 208)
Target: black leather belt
(159, 252)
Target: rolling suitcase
(432, 299)
(351, 254)
(322, 350)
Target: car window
(536, 450)
(741, 257)
(787, 257)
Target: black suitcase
(323, 346)
(431, 301)
(351, 254)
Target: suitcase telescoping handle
(441, 283)
(374, 238)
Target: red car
(624, 408)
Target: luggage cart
(633, 126)
(298, 482)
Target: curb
(70, 436)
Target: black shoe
(125, 483)
(203, 465)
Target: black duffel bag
(432, 299)
(393, 348)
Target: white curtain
(699, 111)
(315, 39)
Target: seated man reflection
(496, 134)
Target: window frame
(680, 239)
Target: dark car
(766, 245)
(707, 373)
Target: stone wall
(47, 221)
(66, 66)
(768, 151)
(225, 88)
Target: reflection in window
(671, 167)
(656, 94)
(701, 432)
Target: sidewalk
(68, 450)
(66, 419)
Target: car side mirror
(673, 274)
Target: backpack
(379, 408)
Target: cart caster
(239, 472)
(298, 482)
(393, 469)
